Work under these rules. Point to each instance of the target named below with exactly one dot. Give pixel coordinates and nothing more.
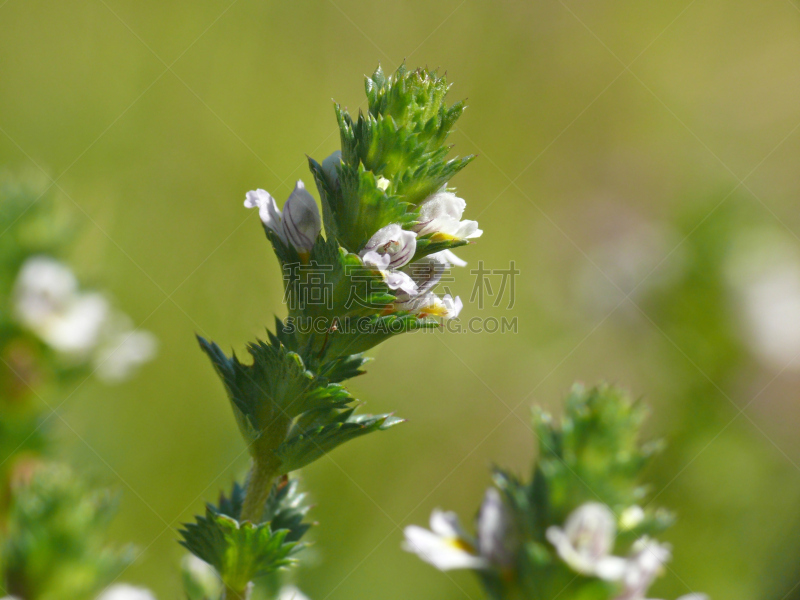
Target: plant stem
(259, 485)
(232, 594)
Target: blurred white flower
(123, 353)
(431, 305)
(80, 325)
(586, 541)
(631, 517)
(47, 301)
(644, 564)
(126, 592)
(290, 592)
(298, 225)
(441, 213)
(329, 167)
(496, 540)
(446, 546)
(764, 273)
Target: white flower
(395, 280)
(394, 242)
(268, 211)
(47, 301)
(641, 568)
(81, 325)
(586, 541)
(290, 592)
(298, 225)
(446, 546)
(126, 592)
(441, 213)
(495, 530)
(123, 350)
(427, 272)
(631, 517)
(431, 305)
(764, 274)
(329, 167)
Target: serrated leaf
(239, 552)
(310, 445)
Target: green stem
(259, 485)
(232, 594)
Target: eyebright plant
(390, 224)
(577, 529)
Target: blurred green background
(637, 160)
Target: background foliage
(626, 151)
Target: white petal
(586, 541)
(451, 258)
(452, 305)
(643, 565)
(301, 221)
(378, 261)
(77, 330)
(122, 353)
(442, 204)
(44, 288)
(397, 280)
(443, 553)
(290, 592)
(446, 524)
(591, 529)
(126, 592)
(610, 568)
(431, 305)
(441, 213)
(383, 183)
(428, 271)
(268, 211)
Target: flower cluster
(586, 541)
(558, 534)
(391, 251)
(448, 546)
(81, 326)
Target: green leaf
(274, 389)
(239, 552)
(311, 444)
